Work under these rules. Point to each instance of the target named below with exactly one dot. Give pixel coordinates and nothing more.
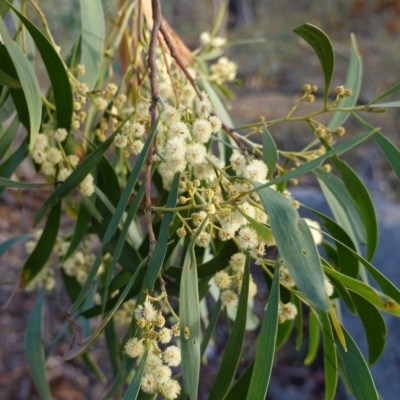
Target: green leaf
(220, 109)
(231, 357)
(130, 184)
(11, 164)
(35, 349)
(241, 387)
(8, 136)
(314, 339)
(7, 244)
(322, 46)
(160, 250)
(390, 151)
(299, 322)
(81, 227)
(210, 328)
(220, 261)
(388, 288)
(266, 345)
(374, 326)
(134, 386)
(318, 161)
(43, 249)
(270, 153)
(7, 80)
(362, 198)
(189, 314)
(353, 82)
(330, 358)
(391, 104)
(29, 83)
(378, 299)
(284, 331)
(356, 370)
(93, 37)
(56, 71)
(4, 8)
(4, 182)
(388, 92)
(344, 208)
(121, 239)
(347, 263)
(263, 231)
(295, 245)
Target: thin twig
(157, 19)
(192, 81)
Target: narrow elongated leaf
(92, 44)
(390, 151)
(374, 326)
(56, 70)
(270, 153)
(130, 184)
(318, 161)
(210, 328)
(81, 226)
(22, 185)
(189, 314)
(4, 8)
(8, 136)
(266, 345)
(330, 358)
(241, 387)
(35, 349)
(385, 284)
(231, 357)
(7, 80)
(10, 242)
(11, 164)
(160, 251)
(43, 249)
(391, 104)
(322, 46)
(388, 92)
(362, 198)
(134, 386)
(357, 373)
(347, 263)
(314, 339)
(295, 245)
(378, 299)
(349, 208)
(353, 82)
(263, 231)
(220, 261)
(29, 83)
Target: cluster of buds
(323, 132)
(157, 376)
(308, 92)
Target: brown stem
(192, 81)
(157, 19)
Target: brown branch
(157, 19)
(192, 81)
